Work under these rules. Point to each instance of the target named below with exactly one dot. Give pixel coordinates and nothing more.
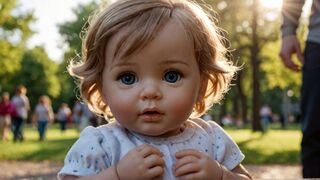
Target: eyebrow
(166, 62)
(173, 61)
(121, 64)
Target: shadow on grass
(272, 126)
(51, 150)
(254, 156)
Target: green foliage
(67, 84)
(276, 74)
(39, 74)
(235, 17)
(73, 32)
(14, 31)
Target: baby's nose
(151, 91)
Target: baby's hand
(143, 162)
(192, 164)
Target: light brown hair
(44, 99)
(21, 89)
(141, 20)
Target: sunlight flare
(272, 4)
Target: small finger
(301, 58)
(147, 150)
(143, 146)
(188, 152)
(155, 171)
(190, 176)
(299, 52)
(154, 160)
(290, 64)
(187, 169)
(185, 160)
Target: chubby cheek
(120, 105)
(181, 105)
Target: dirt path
(47, 170)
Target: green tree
(254, 44)
(73, 32)
(14, 31)
(39, 74)
(242, 32)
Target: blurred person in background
(43, 115)
(76, 113)
(63, 115)
(7, 110)
(266, 116)
(227, 120)
(85, 117)
(22, 106)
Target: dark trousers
(310, 112)
(63, 125)
(17, 126)
(42, 128)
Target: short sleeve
(86, 156)
(226, 151)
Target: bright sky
(49, 14)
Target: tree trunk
(243, 98)
(256, 124)
(235, 106)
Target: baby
(154, 66)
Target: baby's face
(153, 91)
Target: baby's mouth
(151, 111)
(151, 115)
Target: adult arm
(291, 12)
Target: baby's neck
(170, 133)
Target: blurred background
(38, 38)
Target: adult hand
(290, 45)
(143, 162)
(192, 164)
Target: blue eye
(128, 78)
(172, 76)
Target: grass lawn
(274, 147)
(53, 148)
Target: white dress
(102, 147)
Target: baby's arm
(235, 172)
(109, 174)
(192, 164)
(142, 162)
